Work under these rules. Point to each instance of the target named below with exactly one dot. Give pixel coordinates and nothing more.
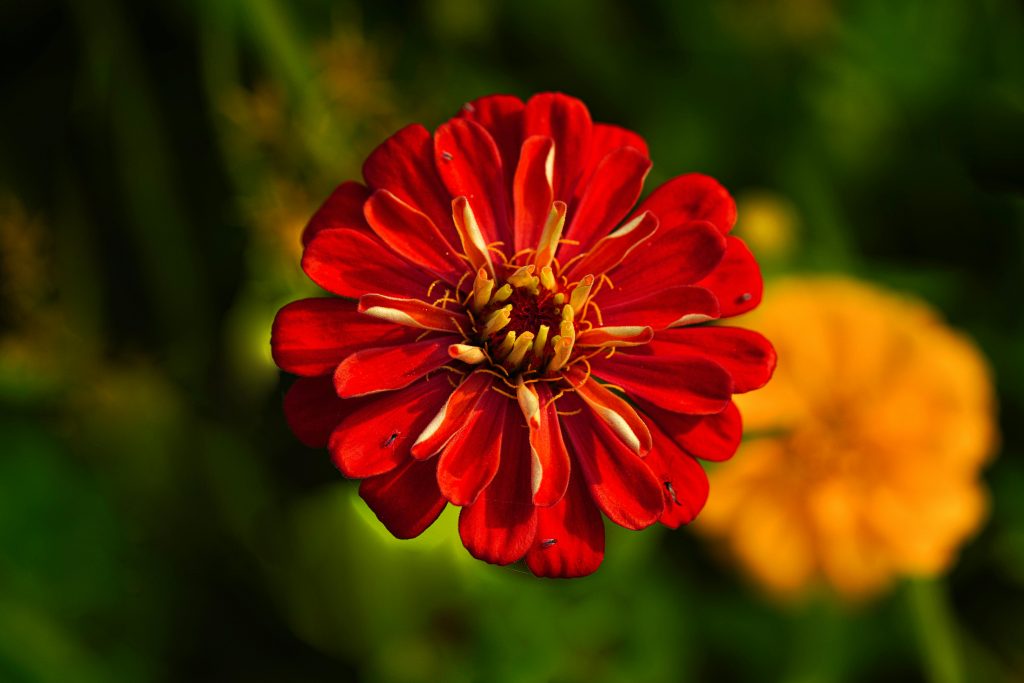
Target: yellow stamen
(504, 292)
(522, 345)
(473, 355)
(547, 277)
(551, 235)
(579, 295)
(568, 312)
(506, 344)
(563, 349)
(522, 277)
(566, 330)
(540, 341)
(482, 288)
(559, 299)
(470, 235)
(497, 320)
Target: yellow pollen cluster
(536, 319)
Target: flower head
(865, 449)
(513, 340)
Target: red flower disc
(512, 340)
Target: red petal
(312, 410)
(613, 249)
(615, 336)
(500, 526)
(451, 417)
(502, 117)
(312, 336)
(470, 460)
(406, 499)
(350, 263)
(683, 305)
(671, 258)
(606, 138)
(746, 355)
(570, 535)
(343, 209)
(404, 165)
(413, 235)
(684, 384)
(692, 197)
(413, 313)
(683, 481)
(736, 282)
(612, 191)
(708, 437)
(531, 191)
(377, 435)
(566, 121)
(619, 481)
(394, 367)
(550, 466)
(616, 413)
(470, 165)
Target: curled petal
(681, 383)
(451, 417)
(342, 209)
(615, 412)
(570, 535)
(404, 165)
(532, 191)
(671, 258)
(605, 139)
(549, 459)
(377, 435)
(746, 355)
(612, 337)
(311, 337)
(675, 306)
(566, 121)
(619, 481)
(736, 281)
(413, 235)
(611, 192)
(613, 249)
(692, 197)
(406, 500)
(502, 117)
(386, 369)
(350, 264)
(683, 481)
(413, 313)
(470, 166)
(470, 460)
(500, 526)
(712, 437)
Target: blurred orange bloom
(864, 450)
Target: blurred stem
(936, 630)
(817, 643)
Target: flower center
(526, 324)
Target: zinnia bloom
(490, 275)
(865, 450)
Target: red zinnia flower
(493, 326)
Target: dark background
(157, 162)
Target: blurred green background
(158, 160)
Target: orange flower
(865, 448)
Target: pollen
(526, 317)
